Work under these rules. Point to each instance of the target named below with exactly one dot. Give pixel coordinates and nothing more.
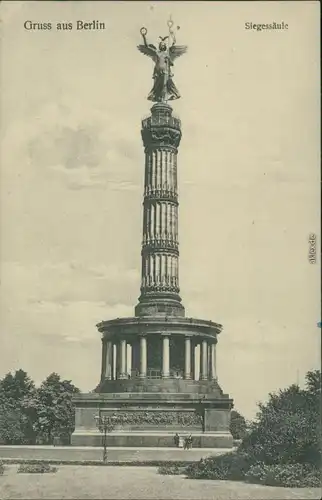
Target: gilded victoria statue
(164, 88)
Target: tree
(281, 447)
(52, 404)
(16, 423)
(17, 386)
(11, 427)
(313, 383)
(287, 428)
(238, 426)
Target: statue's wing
(177, 51)
(148, 50)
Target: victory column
(158, 373)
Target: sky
(72, 166)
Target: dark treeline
(35, 415)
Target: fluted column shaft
(160, 267)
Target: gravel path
(134, 483)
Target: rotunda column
(103, 370)
(115, 362)
(108, 360)
(197, 361)
(187, 358)
(204, 360)
(193, 359)
(165, 357)
(213, 373)
(123, 356)
(129, 359)
(143, 357)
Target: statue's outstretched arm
(144, 32)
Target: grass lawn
(137, 483)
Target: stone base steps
(139, 440)
(115, 455)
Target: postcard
(160, 250)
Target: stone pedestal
(151, 419)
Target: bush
(282, 447)
(238, 426)
(288, 427)
(290, 476)
(232, 466)
(39, 468)
(171, 469)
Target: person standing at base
(189, 442)
(176, 440)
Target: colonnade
(199, 358)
